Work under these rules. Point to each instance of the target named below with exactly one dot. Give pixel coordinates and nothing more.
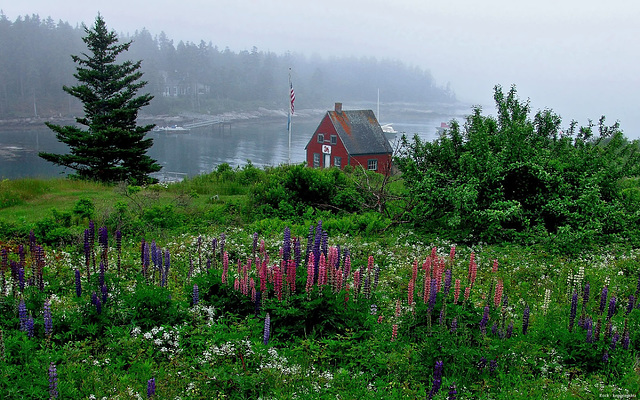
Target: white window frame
(316, 160)
(372, 164)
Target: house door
(327, 161)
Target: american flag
(292, 96)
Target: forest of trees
(35, 63)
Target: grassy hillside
(204, 289)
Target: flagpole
(290, 106)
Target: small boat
(388, 128)
(172, 128)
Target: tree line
(35, 64)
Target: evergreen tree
(112, 147)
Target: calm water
(198, 151)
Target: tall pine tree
(107, 145)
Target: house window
(372, 165)
(334, 139)
(316, 160)
(320, 137)
(337, 162)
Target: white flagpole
(290, 121)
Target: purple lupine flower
(151, 388)
(48, 322)
(286, 245)
(494, 329)
(255, 243)
(454, 325)
(53, 381)
(432, 294)
(484, 320)
(612, 307)
(21, 278)
(525, 320)
(447, 282)
(603, 299)
(95, 300)
(196, 295)
(638, 285)
(614, 340)
(78, 283)
(605, 357)
(482, 364)
(119, 247)
(29, 326)
(585, 294)
(154, 253)
(22, 255)
(103, 238)
(625, 340)
(22, 314)
(574, 308)
(452, 392)
(589, 324)
(105, 293)
(632, 301)
(437, 379)
(325, 243)
(510, 330)
(493, 366)
(267, 329)
(297, 251)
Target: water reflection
(201, 150)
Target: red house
(351, 137)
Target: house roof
(360, 132)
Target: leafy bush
(513, 178)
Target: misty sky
(577, 57)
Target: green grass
(324, 344)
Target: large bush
(511, 177)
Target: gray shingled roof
(360, 132)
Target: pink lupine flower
(426, 267)
(410, 291)
(356, 280)
(309, 273)
(322, 270)
(394, 332)
(291, 275)
(473, 269)
(370, 264)
(426, 291)
(497, 298)
(456, 292)
(495, 266)
(277, 277)
(236, 284)
(380, 318)
(452, 254)
(467, 292)
(398, 308)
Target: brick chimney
(339, 108)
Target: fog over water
(263, 141)
(577, 57)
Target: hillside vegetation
(501, 263)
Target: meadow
(173, 292)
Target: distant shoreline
(165, 120)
